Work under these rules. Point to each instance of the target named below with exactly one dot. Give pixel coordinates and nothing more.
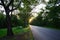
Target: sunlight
(38, 7)
(47, 0)
(31, 19)
(22, 5)
(1, 8)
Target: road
(40, 33)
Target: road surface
(40, 33)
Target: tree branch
(1, 4)
(16, 7)
(10, 3)
(2, 1)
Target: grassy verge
(22, 34)
(51, 27)
(3, 32)
(16, 30)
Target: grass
(16, 30)
(52, 27)
(29, 36)
(22, 34)
(3, 32)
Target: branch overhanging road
(40, 33)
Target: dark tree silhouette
(6, 4)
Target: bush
(39, 22)
(14, 21)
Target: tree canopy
(50, 16)
(11, 5)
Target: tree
(53, 14)
(25, 18)
(9, 6)
(25, 14)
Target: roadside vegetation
(18, 32)
(49, 17)
(19, 28)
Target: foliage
(2, 21)
(51, 18)
(14, 21)
(25, 14)
(25, 18)
(16, 31)
(54, 14)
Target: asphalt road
(40, 33)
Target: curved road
(40, 33)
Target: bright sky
(37, 9)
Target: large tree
(11, 5)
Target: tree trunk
(8, 21)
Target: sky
(37, 9)
(39, 6)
